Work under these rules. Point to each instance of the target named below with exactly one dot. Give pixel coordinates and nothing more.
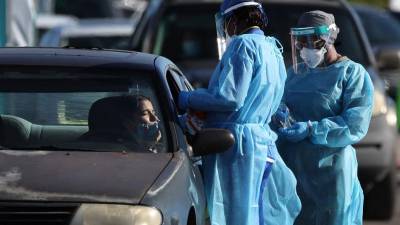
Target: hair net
(319, 18)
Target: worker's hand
(190, 123)
(281, 117)
(298, 132)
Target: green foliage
(379, 3)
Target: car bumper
(376, 152)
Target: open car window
(48, 109)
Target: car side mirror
(388, 59)
(211, 141)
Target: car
(45, 22)
(386, 47)
(167, 26)
(110, 33)
(50, 173)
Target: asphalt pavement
(396, 218)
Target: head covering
(318, 18)
(228, 6)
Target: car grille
(36, 213)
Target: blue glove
(298, 132)
(190, 123)
(183, 100)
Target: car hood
(78, 176)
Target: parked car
(51, 174)
(91, 33)
(167, 28)
(386, 48)
(384, 35)
(45, 22)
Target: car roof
(65, 57)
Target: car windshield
(188, 32)
(52, 109)
(378, 23)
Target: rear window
(102, 111)
(188, 32)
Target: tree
(379, 3)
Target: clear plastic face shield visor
(309, 45)
(221, 35)
(222, 20)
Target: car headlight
(108, 214)
(380, 106)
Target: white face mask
(312, 57)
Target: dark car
(384, 35)
(52, 173)
(167, 27)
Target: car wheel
(380, 201)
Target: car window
(81, 110)
(175, 84)
(187, 32)
(378, 23)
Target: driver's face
(146, 112)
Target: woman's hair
(110, 113)
(250, 16)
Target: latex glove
(298, 132)
(280, 118)
(190, 123)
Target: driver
(124, 119)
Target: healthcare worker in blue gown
(330, 96)
(244, 92)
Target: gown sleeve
(352, 124)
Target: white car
(110, 33)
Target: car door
(177, 83)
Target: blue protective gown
(338, 101)
(244, 91)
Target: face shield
(221, 35)
(309, 45)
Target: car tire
(380, 201)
